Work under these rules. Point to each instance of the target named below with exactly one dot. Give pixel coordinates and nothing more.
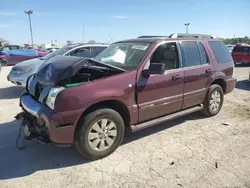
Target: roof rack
(151, 36)
(184, 35)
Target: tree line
(236, 40)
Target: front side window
(166, 53)
(80, 52)
(97, 50)
(60, 51)
(125, 55)
(190, 53)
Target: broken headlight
(51, 98)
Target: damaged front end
(41, 121)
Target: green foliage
(236, 40)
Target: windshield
(124, 55)
(60, 51)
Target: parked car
(20, 72)
(10, 47)
(132, 85)
(241, 53)
(230, 48)
(3, 58)
(16, 56)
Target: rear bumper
(230, 84)
(241, 59)
(61, 126)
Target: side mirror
(156, 68)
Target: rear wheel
(213, 101)
(100, 134)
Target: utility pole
(82, 33)
(187, 24)
(29, 12)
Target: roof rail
(184, 35)
(151, 36)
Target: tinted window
(80, 52)
(98, 49)
(241, 49)
(168, 54)
(190, 54)
(203, 54)
(220, 51)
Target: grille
(39, 89)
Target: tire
(3, 62)
(88, 129)
(212, 92)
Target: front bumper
(19, 79)
(61, 126)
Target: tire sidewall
(212, 89)
(82, 138)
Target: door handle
(176, 77)
(208, 70)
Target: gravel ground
(192, 151)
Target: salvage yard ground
(189, 152)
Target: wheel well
(221, 83)
(112, 104)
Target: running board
(175, 115)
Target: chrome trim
(30, 105)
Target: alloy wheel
(215, 100)
(102, 134)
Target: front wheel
(213, 101)
(100, 133)
(3, 62)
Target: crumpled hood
(59, 68)
(31, 63)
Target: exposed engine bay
(63, 70)
(87, 74)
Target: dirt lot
(190, 152)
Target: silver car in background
(21, 71)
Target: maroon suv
(132, 84)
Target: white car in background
(21, 71)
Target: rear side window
(190, 53)
(220, 51)
(204, 57)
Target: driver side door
(161, 94)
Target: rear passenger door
(197, 72)
(96, 50)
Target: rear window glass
(241, 49)
(220, 51)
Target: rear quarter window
(220, 51)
